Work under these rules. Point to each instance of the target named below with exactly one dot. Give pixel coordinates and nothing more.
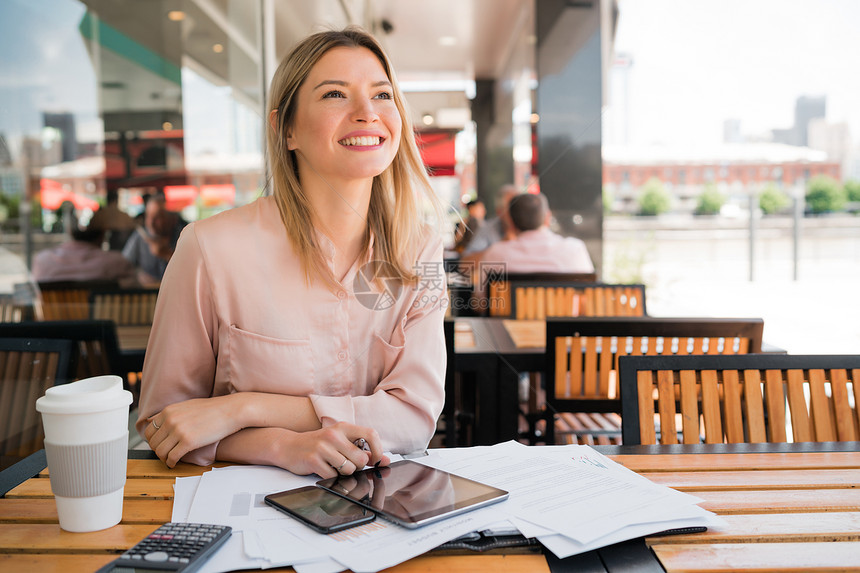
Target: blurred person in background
(81, 258)
(495, 229)
(465, 231)
(116, 224)
(152, 244)
(534, 247)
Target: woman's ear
(273, 121)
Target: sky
(44, 66)
(697, 63)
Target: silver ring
(157, 427)
(337, 469)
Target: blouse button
(341, 294)
(341, 355)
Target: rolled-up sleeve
(181, 354)
(407, 401)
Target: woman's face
(346, 124)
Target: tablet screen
(412, 494)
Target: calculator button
(156, 556)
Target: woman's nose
(364, 111)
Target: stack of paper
(571, 498)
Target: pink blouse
(235, 313)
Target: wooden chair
(28, 367)
(10, 310)
(67, 300)
(740, 399)
(123, 306)
(536, 300)
(582, 357)
(96, 348)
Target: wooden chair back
(537, 299)
(123, 306)
(10, 310)
(96, 348)
(740, 399)
(582, 354)
(28, 367)
(67, 300)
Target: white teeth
(361, 141)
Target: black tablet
(412, 494)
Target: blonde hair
(395, 212)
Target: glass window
(128, 96)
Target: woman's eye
(333, 94)
(384, 95)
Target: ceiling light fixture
(217, 48)
(427, 118)
(176, 15)
(534, 118)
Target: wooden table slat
(760, 557)
(729, 462)
(155, 468)
(44, 510)
(771, 479)
(780, 501)
(49, 538)
(149, 488)
(32, 563)
(805, 527)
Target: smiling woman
(260, 350)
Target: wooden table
(789, 507)
(486, 351)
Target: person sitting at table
(81, 258)
(288, 329)
(116, 224)
(535, 248)
(496, 229)
(152, 244)
(466, 230)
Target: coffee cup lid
(85, 396)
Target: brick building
(735, 168)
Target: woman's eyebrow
(346, 84)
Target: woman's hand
(186, 426)
(329, 451)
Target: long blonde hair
(395, 212)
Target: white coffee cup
(86, 442)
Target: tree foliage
(654, 199)
(773, 200)
(710, 201)
(852, 190)
(824, 194)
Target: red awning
(437, 150)
(53, 194)
(177, 197)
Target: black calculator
(172, 547)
